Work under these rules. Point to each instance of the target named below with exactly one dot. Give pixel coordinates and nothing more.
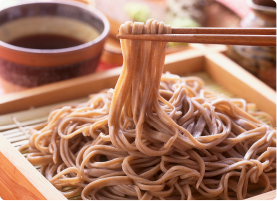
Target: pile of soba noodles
(155, 136)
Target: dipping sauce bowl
(48, 41)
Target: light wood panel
(271, 195)
(237, 80)
(184, 62)
(33, 113)
(20, 180)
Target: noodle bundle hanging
(155, 136)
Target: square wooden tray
(20, 180)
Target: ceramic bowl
(22, 67)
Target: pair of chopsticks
(227, 36)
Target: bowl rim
(99, 14)
(255, 6)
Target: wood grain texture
(20, 180)
(33, 113)
(93, 83)
(13, 185)
(271, 195)
(252, 40)
(237, 80)
(212, 30)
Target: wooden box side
(237, 80)
(271, 195)
(19, 179)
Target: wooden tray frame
(20, 180)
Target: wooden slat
(20, 180)
(36, 115)
(237, 80)
(93, 83)
(7, 127)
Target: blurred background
(260, 61)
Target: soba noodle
(155, 136)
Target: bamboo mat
(35, 116)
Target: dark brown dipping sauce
(46, 41)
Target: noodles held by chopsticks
(155, 136)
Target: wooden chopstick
(254, 37)
(237, 31)
(251, 40)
